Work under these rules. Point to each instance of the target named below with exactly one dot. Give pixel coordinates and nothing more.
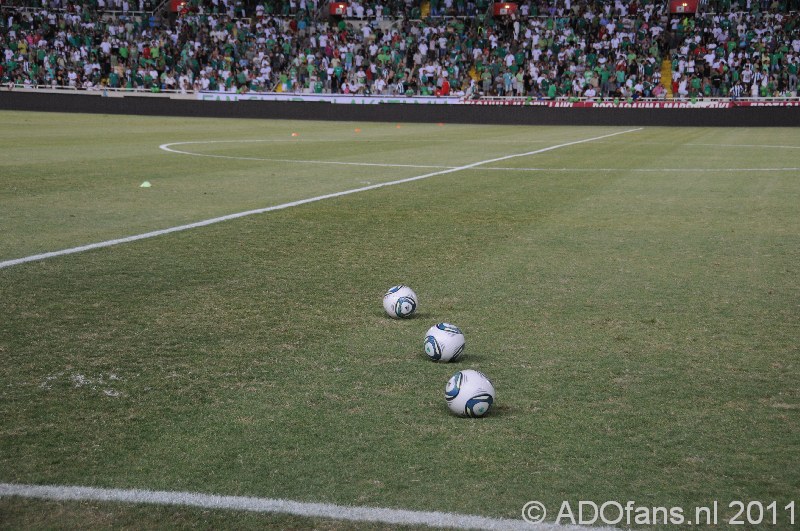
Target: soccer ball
(444, 342)
(469, 393)
(400, 302)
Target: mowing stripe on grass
(269, 505)
(109, 243)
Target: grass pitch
(635, 301)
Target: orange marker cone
(358, 130)
(295, 134)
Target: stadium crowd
(547, 49)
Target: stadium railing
(484, 100)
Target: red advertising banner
(504, 8)
(700, 104)
(338, 8)
(679, 7)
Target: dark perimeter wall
(462, 114)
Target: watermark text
(752, 513)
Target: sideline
(269, 505)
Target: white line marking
(109, 243)
(647, 170)
(757, 146)
(269, 505)
(690, 144)
(166, 147)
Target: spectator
(613, 47)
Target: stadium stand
(547, 50)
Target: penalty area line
(152, 234)
(279, 506)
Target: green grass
(640, 327)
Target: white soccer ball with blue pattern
(469, 393)
(400, 302)
(444, 342)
